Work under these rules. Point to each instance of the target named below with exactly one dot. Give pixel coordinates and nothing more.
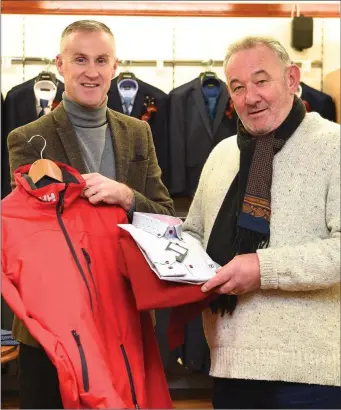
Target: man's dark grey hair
(250, 42)
(87, 25)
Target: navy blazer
(157, 121)
(191, 135)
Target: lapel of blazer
(138, 103)
(68, 139)
(60, 90)
(199, 100)
(119, 135)
(114, 100)
(221, 107)
(31, 106)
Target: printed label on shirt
(48, 197)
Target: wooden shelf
(169, 8)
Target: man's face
(87, 62)
(261, 88)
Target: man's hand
(99, 188)
(240, 275)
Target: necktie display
(212, 102)
(126, 103)
(44, 104)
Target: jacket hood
(46, 192)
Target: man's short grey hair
(87, 26)
(250, 42)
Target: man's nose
(91, 70)
(252, 96)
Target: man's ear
(59, 64)
(294, 77)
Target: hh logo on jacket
(48, 198)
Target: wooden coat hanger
(44, 167)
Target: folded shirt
(6, 338)
(172, 254)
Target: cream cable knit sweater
(289, 330)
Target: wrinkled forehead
(246, 63)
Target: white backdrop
(162, 38)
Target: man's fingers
(89, 192)
(228, 288)
(95, 199)
(217, 280)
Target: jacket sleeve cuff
(130, 212)
(268, 270)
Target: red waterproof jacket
(78, 282)
(61, 275)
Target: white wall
(162, 38)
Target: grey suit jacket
(136, 162)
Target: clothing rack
(151, 63)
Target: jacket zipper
(88, 264)
(59, 211)
(130, 376)
(85, 374)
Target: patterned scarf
(243, 221)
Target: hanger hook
(41, 152)
(209, 64)
(126, 64)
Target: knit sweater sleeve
(313, 265)
(194, 223)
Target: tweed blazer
(135, 159)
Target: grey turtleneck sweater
(94, 136)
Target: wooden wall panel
(175, 8)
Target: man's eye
(236, 89)
(261, 82)
(80, 60)
(102, 60)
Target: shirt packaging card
(172, 254)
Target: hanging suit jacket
(191, 135)
(56, 247)
(318, 101)
(20, 104)
(5, 177)
(135, 160)
(157, 121)
(19, 109)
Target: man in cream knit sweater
(267, 209)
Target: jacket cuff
(130, 212)
(268, 270)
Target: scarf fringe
(224, 304)
(248, 241)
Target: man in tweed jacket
(114, 153)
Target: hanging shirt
(172, 254)
(44, 98)
(43, 109)
(127, 89)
